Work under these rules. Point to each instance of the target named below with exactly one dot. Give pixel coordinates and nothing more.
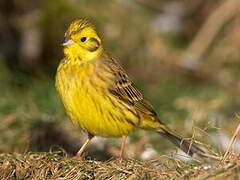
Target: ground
(55, 165)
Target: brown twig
(210, 156)
(212, 26)
(231, 143)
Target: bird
(99, 97)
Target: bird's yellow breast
(84, 95)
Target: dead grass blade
(232, 142)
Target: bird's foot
(74, 158)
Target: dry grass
(53, 165)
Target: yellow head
(82, 42)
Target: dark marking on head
(94, 44)
(78, 30)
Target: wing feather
(124, 89)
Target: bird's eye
(83, 39)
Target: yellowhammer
(98, 95)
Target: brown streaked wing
(124, 89)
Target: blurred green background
(183, 55)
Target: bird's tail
(188, 147)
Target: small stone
(207, 167)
